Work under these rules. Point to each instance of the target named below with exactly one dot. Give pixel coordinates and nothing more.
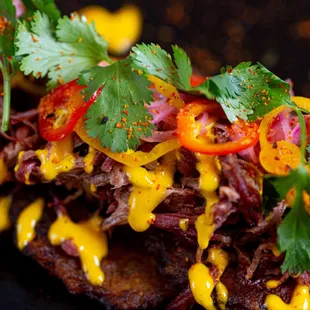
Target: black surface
(215, 33)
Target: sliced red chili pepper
(60, 110)
(189, 130)
(196, 80)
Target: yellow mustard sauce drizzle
(5, 222)
(3, 171)
(148, 190)
(16, 168)
(27, 221)
(57, 159)
(273, 283)
(219, 258)
(183, 224)
(300, 300)
(93, 188)
(208, 183)
(89, 160)
(202, 285)
(27, 178)
(90, 241)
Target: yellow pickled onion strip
(131, 159)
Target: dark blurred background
(214, 33)
(220, 32)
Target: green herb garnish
(153, 60)
(62, 55)
(122, 100)
(294, 231)
(8, 64)
(246, 91)
(47, 7)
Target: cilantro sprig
(47, 7)
(8, 65)
(246, 91)
(9, 59)
(294, 231)
(74, 46)
(156, 61)
(118, 117)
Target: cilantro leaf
(48, 7)
(246, 91)
(7, 21)
(153, 60)
(74, 47)
(8, 64)
(118, 117)
(8, 10)
(294, 231)
(294, 238)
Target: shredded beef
(187, 163)
(70, 248)
(249, 203)
(22, 136)
(170, 223)
(182, 201)
(241, 181)
(184, 300)
(248, 294)
(107, 164)
(76, 177)
(120, 209)
(269, 222)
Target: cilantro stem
(6, 98)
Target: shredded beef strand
(183, 301)
(108, 164)
(70, 248)
(250, 201)
(221, 211)
(270, 221)
(187, 163)
(256, 258)
(304, 277)
(27, 115)
(120, 213)
(170, 223)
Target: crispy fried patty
(145, 271)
